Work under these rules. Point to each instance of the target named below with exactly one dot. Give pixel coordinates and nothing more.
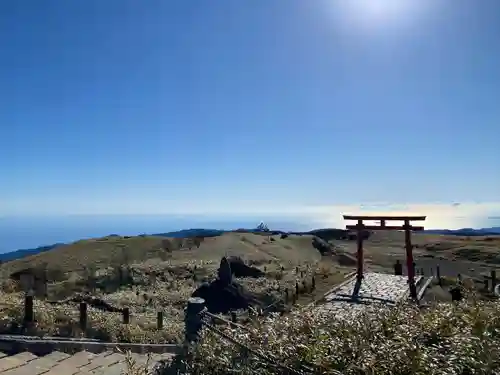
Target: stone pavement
(81, 363)
(350, 299)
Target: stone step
(81, 363)
(38, 365)
(71, 365)
(14, 361)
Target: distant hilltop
(326, 234)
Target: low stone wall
(39, 346)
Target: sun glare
(378, 14)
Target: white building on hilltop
(262, 227)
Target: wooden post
(234, 317)
(456, 294)
(398, 268)
(83, 316)
(126, 315)
(409, 260)
(28, 309)
(313, 283)
(193, 318)
(159, 319)
(297, 288)
(493, 280)
(359, 241)
(438, 275)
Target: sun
(375, 14)
(380, 9)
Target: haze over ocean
(19, 232)
(28, 232)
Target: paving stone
(82, 363)
(17, 360)
(115, 369)
(375, 289)
(56, 356)
(71, 365)
(140, 359)
(103, 360)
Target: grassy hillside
(440, 339)
(114, 250)
(157, 273)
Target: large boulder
(221, 297)
(225, 294)
(240, 269)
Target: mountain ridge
(491, 231)
(325, 233)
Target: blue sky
(124, 106)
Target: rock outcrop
(322, 246)
(225, 294)
(240, 269)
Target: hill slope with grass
(151, 273)
(114, 250)
(326, 234)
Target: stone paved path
(376, 288)
(81, 363)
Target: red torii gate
(407, 227)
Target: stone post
(193, 317)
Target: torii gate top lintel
(383, 219)
(388, 218)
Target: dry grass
(470, 256)
(444, 338)
(476, 248)
(158, 280)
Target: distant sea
(30, 232)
